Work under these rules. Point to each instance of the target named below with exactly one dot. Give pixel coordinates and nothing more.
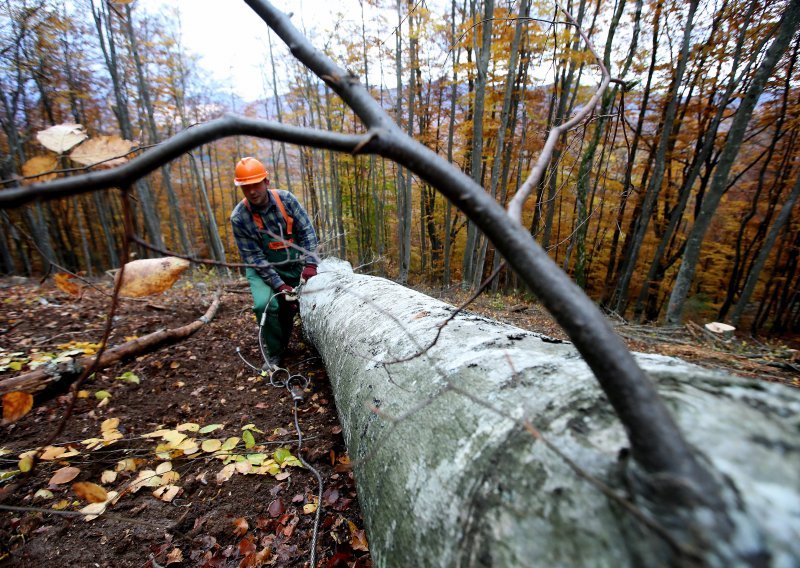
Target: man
(273, 232)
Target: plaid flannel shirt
(250, 242)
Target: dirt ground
(250, 519)
(215, 511)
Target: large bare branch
(657, 444)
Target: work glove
(286, 296)
(309, 271)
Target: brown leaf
(240, 526)
(90, 492)
(110, 150)
(358, 541)
(276, 508)
(174, 556)
(247, 546)
(16, 405)
(61, 137)
(40, 165)
(65, 284)
(64, 475)
(151, 275)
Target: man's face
(256, 193)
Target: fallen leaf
(170, 477)
(64, 475)
(188, 427)
(150, 276)
(129, 377)
(43, 494)
(102, 395)
(16, 405)
(163, 467)
(52, 453)
(249, 440)
(358, 539)
(89, 491)
(108, 476)
(276, 508)
(309, 508)
(110, 150)
(166, 492)
(62, 137)
(283, 475)
(175, 555)
(210, 428)
(240, 526)
(65, 284)
(211, 445)
(226, 473)
(25, 464)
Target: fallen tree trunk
(61, 376)
(496, 446)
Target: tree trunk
(450, 455)
(788, 25)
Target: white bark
(456, 484)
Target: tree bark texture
(449, 456)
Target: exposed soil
(248, 520)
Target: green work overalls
(278, 326)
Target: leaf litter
(187, 464)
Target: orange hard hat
(249, 170)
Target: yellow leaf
(83, 394)
(128, 464)
(25, 464)
(150, 276)
(61, 137)
(63, 504)
(229, 444)
(52, 453)
(102, 395)
(309, 508)
(16, 405)
(174, 437)
(163, 467)
(211, 445)
(188, 427)
(40, 165)
(64, 475)
(170, 477)
(110, 150)
(109, 424)
(90, 492)
(65, 284)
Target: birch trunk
(444, 480)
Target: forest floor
(256, 511)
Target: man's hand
(309, 271)
(286, 297)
